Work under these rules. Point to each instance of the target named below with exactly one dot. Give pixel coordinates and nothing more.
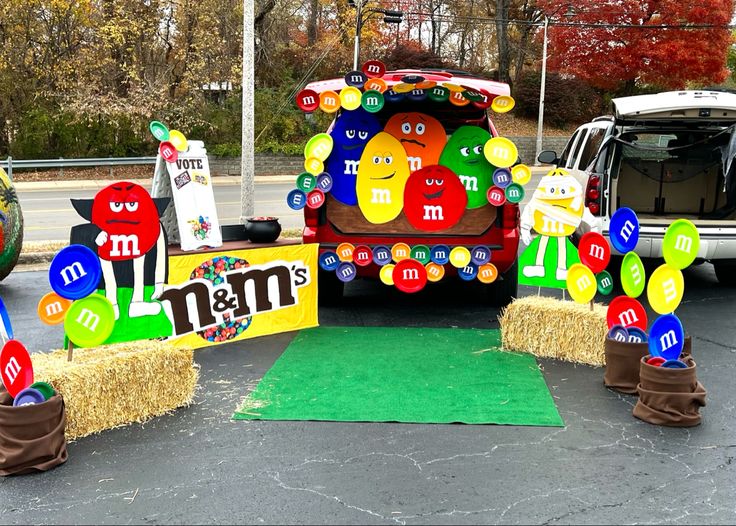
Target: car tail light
(593, 195)
(311, 217)
(510, 216)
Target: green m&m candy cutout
(372, 101)
(438, 94)
(514, 193)
(605, 282)
(633, 276)
(421, 253)
(306, 182)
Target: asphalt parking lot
(197, 466)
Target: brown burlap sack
(669, 397)
(31, 436)
(622, 363)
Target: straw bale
(114, 385)
(552, 328)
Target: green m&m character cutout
(463, 154)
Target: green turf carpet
(377, 374)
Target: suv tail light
(510, 216)
(593, 195)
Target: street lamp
(390, 17)
(568, 14)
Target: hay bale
(114, 385)
(551, 328)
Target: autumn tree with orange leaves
(617, 45)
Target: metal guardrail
(62, 163)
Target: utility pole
(247, 165)
(541, 92)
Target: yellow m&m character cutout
(382, 174)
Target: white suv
(665, 156)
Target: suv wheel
(726, 273)
(330, 289)
(504, 290)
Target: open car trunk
(664, 175)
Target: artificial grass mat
(381, 374)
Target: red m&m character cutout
(434, 198)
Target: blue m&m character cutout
(296, 199)
(75, 272)
(468, 272)
(329, 261)
(624, 230)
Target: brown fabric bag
(32, 436)
(622, 363)
(669, 397)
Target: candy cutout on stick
(501, 152)
(496, 196)
(52, 308)
(382, 174)
(351, 133)
(459, 257)
(90, 321)
(400, 251)
(159, 131)
(75, 272)
(618, 333)
(168, 152)
(319, 146)
(329, 261)
(346, 271)
(440, 254)
(468, 272)
(372, 101)
(345, 251)
(667, 337)
(487, 273)
(503, 104)
(521, 174)
(306, 182)
(633, 275)
(362, 256)
(435, 272)
(665, 289)
(387, 274)
(680, 244)
(502, 177)
(179, 141)
(409, 276)
(373, 68)
(581, 283)
(296, 199)
(434, 199)
(382, 255)
(627, 312)
(605, 282)
(307, 100)
(636, 335)
(6, 328)
(356, 79)
(514, 193)
(624, 230)
(420, 253)
(324, 182)
(376, 84)
(16, 368)
(329, 101)
(463, 154)
(313, 165)
(350, 98)
(594, 251)
(422, 136)
(315, 199)
(29, 396)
